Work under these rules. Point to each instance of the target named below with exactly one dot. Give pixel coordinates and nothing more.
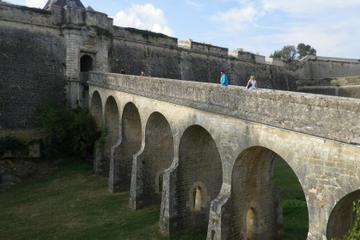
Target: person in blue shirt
(224, 80)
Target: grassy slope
(74, 204)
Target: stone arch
(130, 145)
(96, 108)
(156, 157)
(342, 217)
(111, 128)
(86, 63)
(199, 166)
(256, 196)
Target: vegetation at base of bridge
(354, 233)
(11, 145)
(293, 201)
(75, 204)
(69, 132)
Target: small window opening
(197, 198)
(160, 183)
(250, 224)
(86, 63)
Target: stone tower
(63, 3)
(87, 36)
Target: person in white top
(251, 84)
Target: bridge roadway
(206, 153)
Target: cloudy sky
(259, 26)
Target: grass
(293, 201)
(75, 204)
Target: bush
(354, 233)
(12, 145)
(69, 132)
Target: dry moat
(73, 203)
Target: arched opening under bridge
(199, 178)
(266, 198)
(342, 217)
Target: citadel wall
(32, 65)
(315, 67)
(162, 56)
(41, 52)
(329, 76)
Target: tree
(276, 54)
(304, 50)
(286, 54)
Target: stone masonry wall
(31, 72)
(322, 67)
(238, 120)
(199, 164)
(289, 110)
(157, 156)
(160, 56)
(135, 57)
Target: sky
(332, 27)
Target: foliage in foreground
(354, 233)
(12, 145)
(69, 132)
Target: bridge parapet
(324, 116)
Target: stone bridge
(207, 153)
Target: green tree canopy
(304, 50)
(289, 52)
(286, 54)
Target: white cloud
(194, 4)
(337, 39)
(145, 16)
(29, 3)
(36, 3)
(307, 6)
(331, 26)
(236, 19)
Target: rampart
(42, 51)
(32, 57)
(316, 67)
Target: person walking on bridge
(224, 80)
(251, 84)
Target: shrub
(69, 132)
(354, 233)
(12, 145)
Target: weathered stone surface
(309, 132)
(289, 110)
(313, 67)
(42, 51)
(31, 74)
